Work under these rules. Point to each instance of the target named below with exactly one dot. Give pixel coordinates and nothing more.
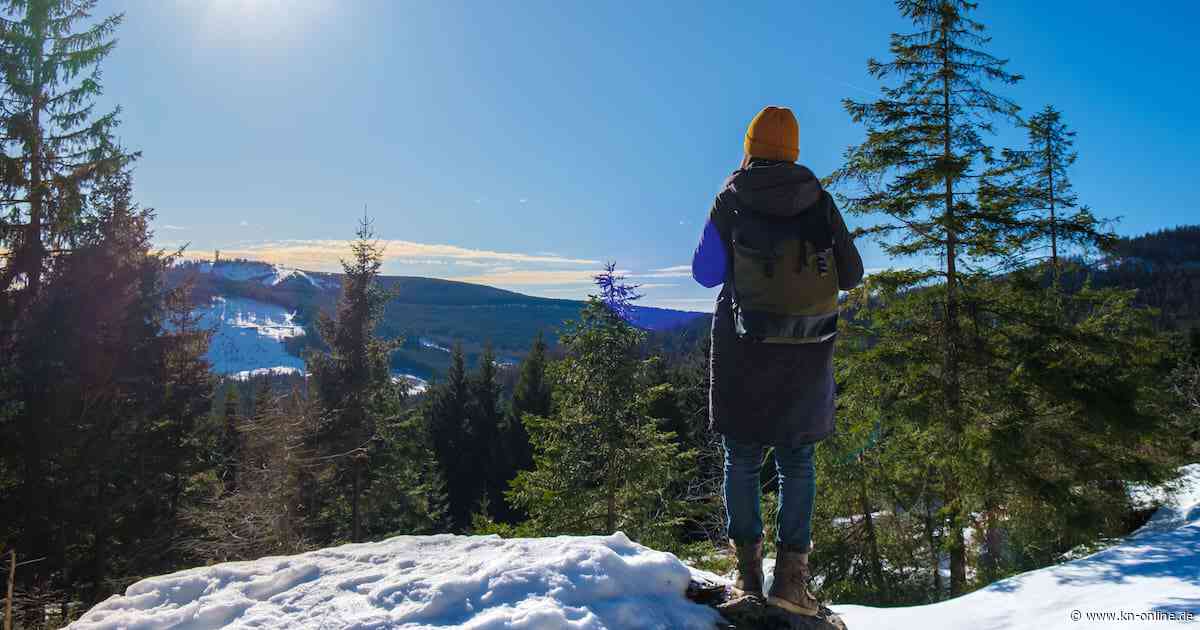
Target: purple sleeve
(710, 260)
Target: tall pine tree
(53, 150)
(112, 363)
(54, 146)
(349, 378)
(918, 166)
(1035, 183)
(447, 415)
(486, 452)
(601, 462)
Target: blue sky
(521, 144)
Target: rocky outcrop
(752, 613)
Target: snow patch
(271, 371)
(252, 270)
(248, 336)
(1154, 572)
(416, 384)
(476, 582)
(429, 343)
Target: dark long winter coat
(778, 394)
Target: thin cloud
(172, 227)
(326, 254)
(657, 285)
(534, 277)
(678, 271)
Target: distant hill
(432, 315)
(1164, 267)
(1169, 247)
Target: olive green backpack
(785, 287)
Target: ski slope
(475, 583)
(248, 336)
(1152, 575)
(263, 272)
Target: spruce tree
(55, 146)
(919, 166)
(54, 151)
(447, 417)
(111, 361)
(349, 378)
(1035, 182)
(231, 441)
(485, 454)
(530, 396)
(601, 462)
(406, 493)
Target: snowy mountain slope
(1140, 583)
(411, 582)
(433, 314)
(264, 273)
(248, 336)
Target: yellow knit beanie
(773, 135)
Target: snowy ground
(422, 582)
(249, 336)
(485, 582)
(1140, 583)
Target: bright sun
(271, 23)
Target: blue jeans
(743, 489)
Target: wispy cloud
(171, 227)
(534, 277)
(678, 271)
(326, 254)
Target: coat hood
(778, 188)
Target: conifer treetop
(615, 293)
(924, 152)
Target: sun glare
(256, 23)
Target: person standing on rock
(778, 244)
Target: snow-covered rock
(1150, 577)
(411, 582)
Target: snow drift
(608, 582)
(440, 581)
(1142, 582)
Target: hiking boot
(790, 591)
(749, 567)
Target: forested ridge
(423, 312)
(994, 409)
